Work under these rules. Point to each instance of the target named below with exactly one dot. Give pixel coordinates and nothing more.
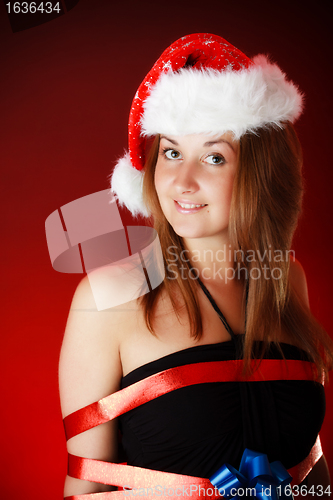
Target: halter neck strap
(217, 309)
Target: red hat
(201, 84)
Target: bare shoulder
(90, 366)
(298, 280)
(89, 370)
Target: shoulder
(89, 370)
(297, 279)
(90, 366)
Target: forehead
(201, 140)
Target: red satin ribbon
(169, 380)
(128, 476)
(154, 386)
(137, 477)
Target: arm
(319, 477)
(297, 280)
(89, 370)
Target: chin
(189, 231)
(196, 231)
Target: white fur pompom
(126, 184)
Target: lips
(187, 207)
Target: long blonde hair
(265, 207)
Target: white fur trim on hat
(207, 101)
(126, 184)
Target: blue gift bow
(256, 472)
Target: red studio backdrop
(66, 91)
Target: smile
(185, 205)
(188, 208)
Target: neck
(212, 258)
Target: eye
(215, 159)
(172, 154)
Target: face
(194, 180)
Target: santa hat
(201, 84)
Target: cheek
(228, 196)
(223, 191)
(160, 181)
(230, 189)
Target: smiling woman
(224, 355)
(196, 179)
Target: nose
(186, 178)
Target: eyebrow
(206, 144)
(175, 143)
(211, 143)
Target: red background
(66, 90)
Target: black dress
(195, 430)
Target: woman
(223, 186)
